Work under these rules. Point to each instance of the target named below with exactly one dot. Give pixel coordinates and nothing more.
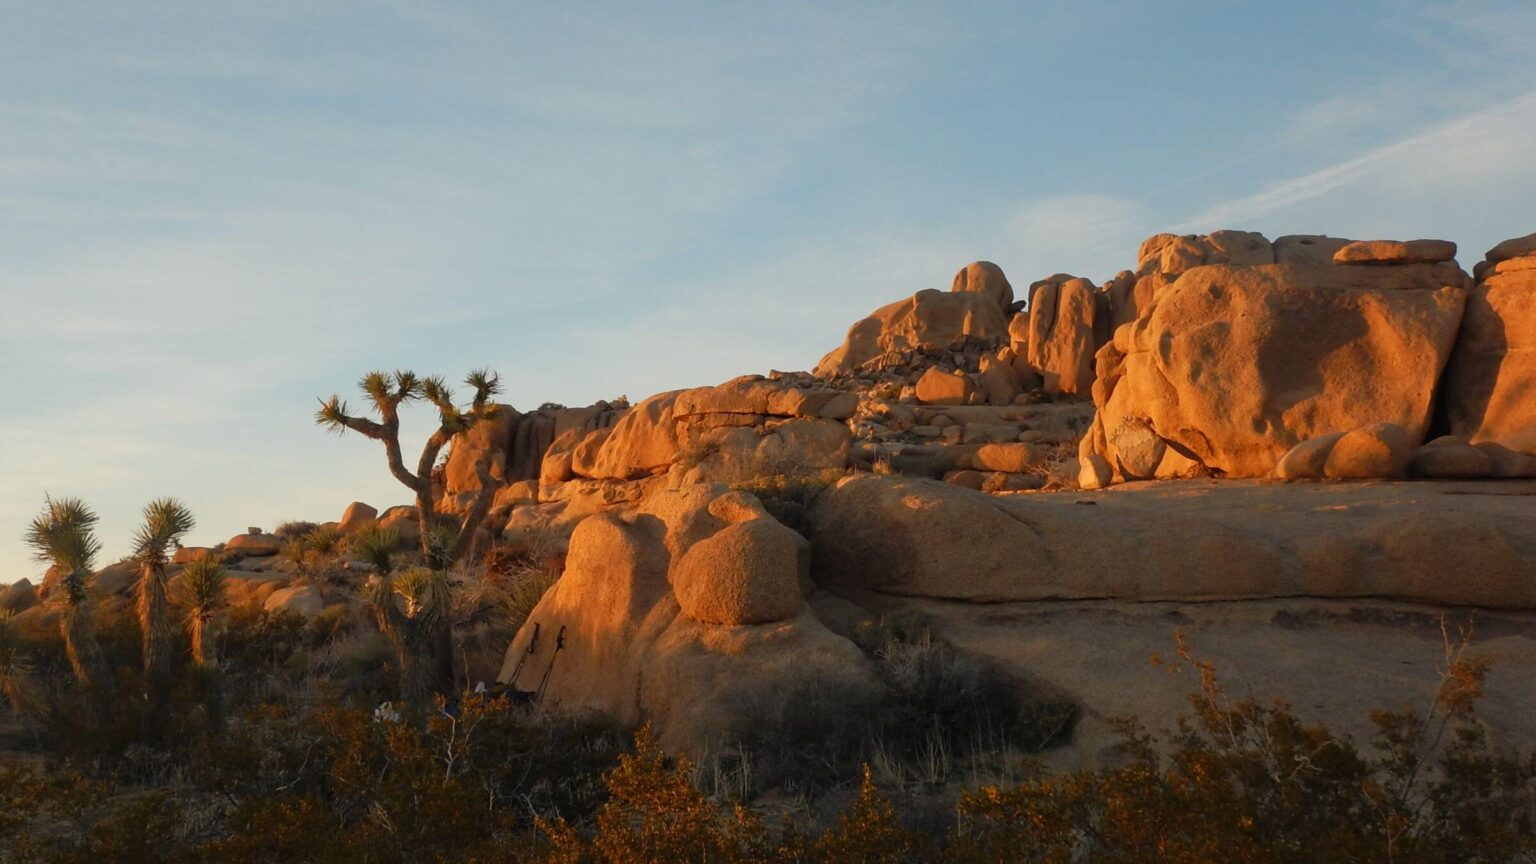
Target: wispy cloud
(1460, 139)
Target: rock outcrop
(683, 611)
(1227, 366)
(977, 307)
(1490, 385)
(1204, 541)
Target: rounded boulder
(1381, 450)
(746, 573)
(1451, 458)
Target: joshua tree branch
(478, 511)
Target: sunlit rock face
(1227, 366)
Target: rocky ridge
(721, 541)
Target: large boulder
(1490, 382)
(1063, 312)
(984, 277)
(1455, 544)
(745, 573)
(356, 516)
(1232, 366)
(304, 600)
(685, 611)
(926, 318)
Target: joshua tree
(63, 537)
(387, 392)
(412, 611)
(202, 589)
(166, 521)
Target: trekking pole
(533, 645)
(544, 682)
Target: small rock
(1396, 252)
(1451, 458)
(938, 387)
(1381, 450)
(1094, 472)
(253, 545)
(1012, 458)
(302, 599)
(1307, 459)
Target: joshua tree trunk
(83, 651)
(155, 629)
(205, 646)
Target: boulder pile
(683, 611)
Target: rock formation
(915, 469)
(1227, 366)
(682, 611)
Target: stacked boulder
(688, 611)
(976, 308)
(1233, 350)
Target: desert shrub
(1247, 781)
(293, 528)
(789, 497)
(809, 738)
(869, 832)
(929, 702)
(655, 815)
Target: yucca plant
(63, 536)
(412, 611)
(18, 675)
(376, 545)
(166, 521)
(202, 595)
(387, 392)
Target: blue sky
(211, 213)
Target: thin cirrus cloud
(1488, 144)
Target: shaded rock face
(1229, 367)
(1181, 541)
(682, 611)
(1490, 385)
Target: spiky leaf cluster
(63, 535)
(166, 521)
(376, 545)
(423, 592)
(202, 587)
(387, 391)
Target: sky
(213, 213)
